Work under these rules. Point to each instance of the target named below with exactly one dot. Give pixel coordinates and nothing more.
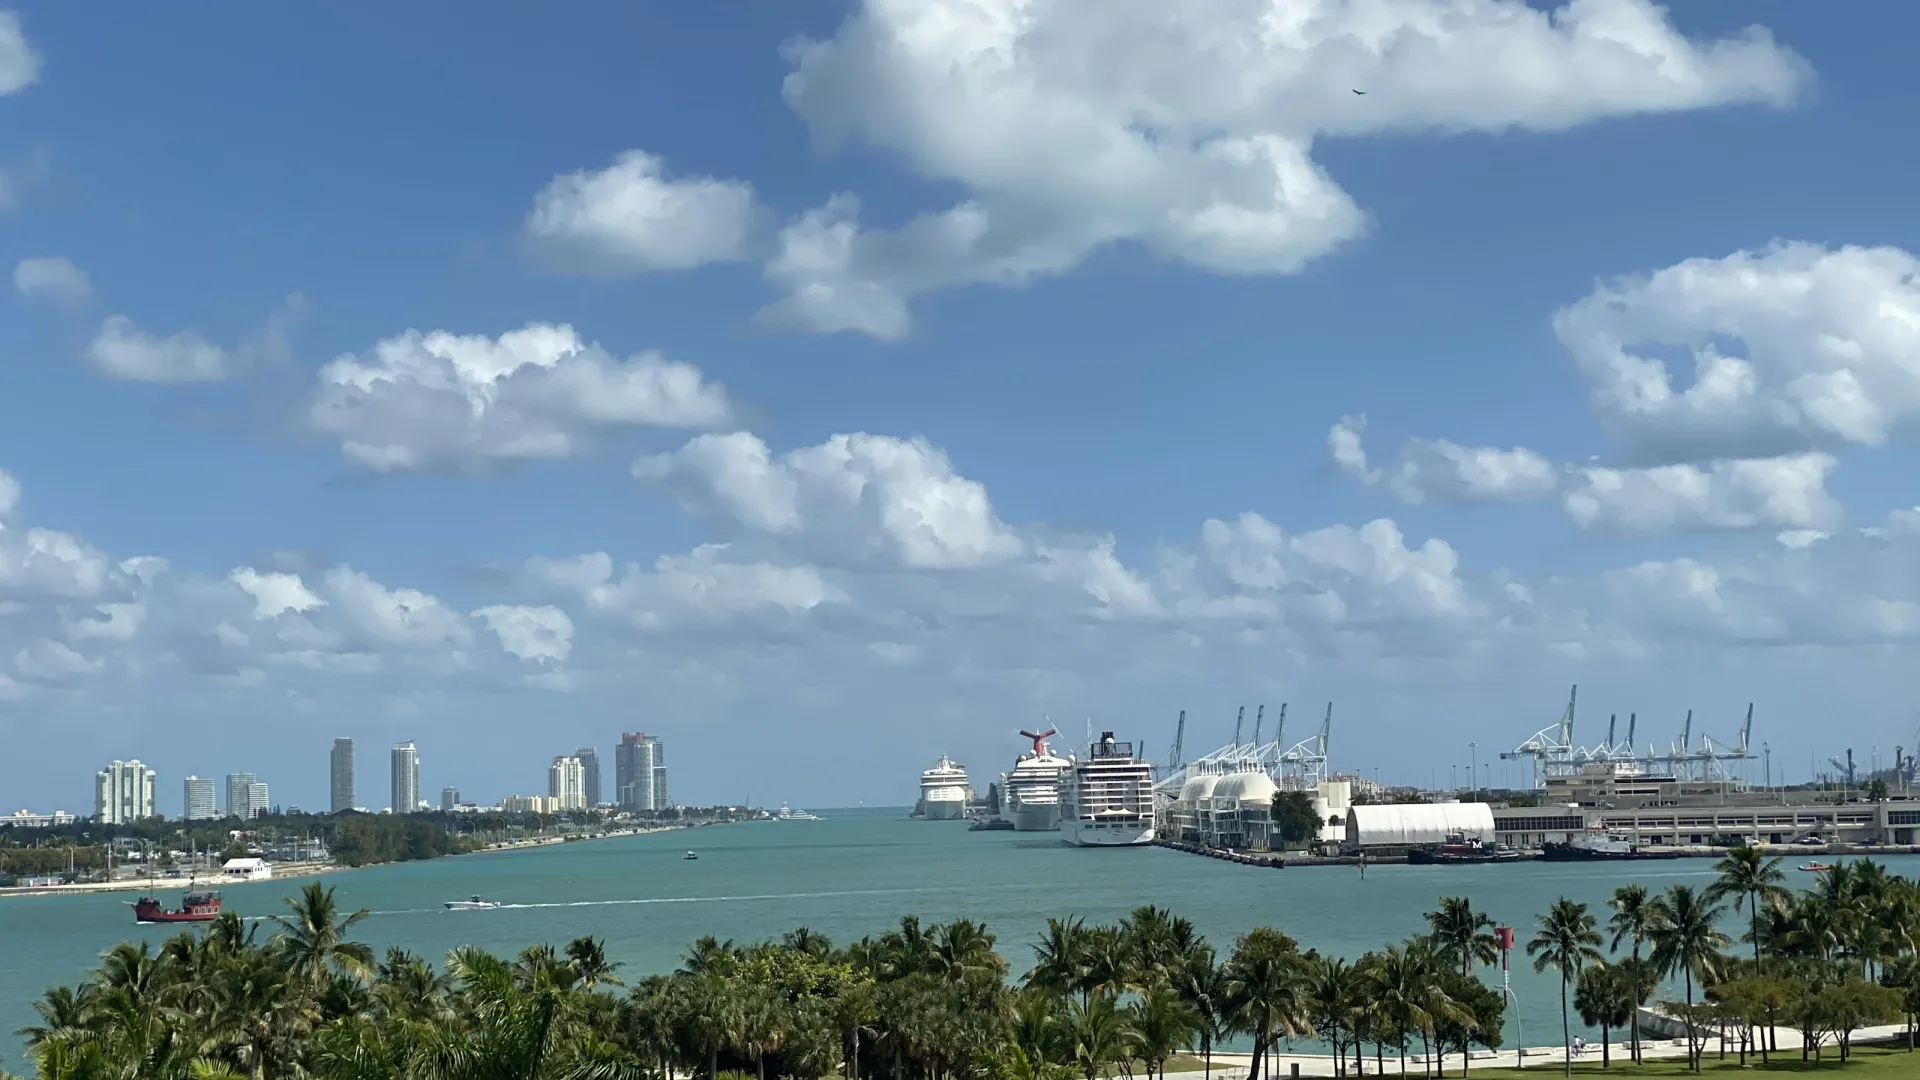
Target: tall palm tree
(1567, 941)
(588, 959)
(1266, 990)
(1202, 984)
(1687, 941)
(1464, 932)
(1095, 1033)
(1605, 999)
(1158, 1024)
(313, 937)
(1749, 877)
(1060, 956)
(1634, 914)
(1333, 995)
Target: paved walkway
(1235, 1066)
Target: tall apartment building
(566, 783)
(239, 794)
(199, 803)
(449, 798)
(341, 775)
(640, 772)
(122, 793)
(590, 769)
(256, 801)
(406, 778)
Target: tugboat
(195, 907)
(1458, 847)
(1596, 843)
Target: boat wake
(741, 898)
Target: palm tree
(1687, 941)
(1634, 914)
(1266, 990)
(1060, 957)
(313, 937)
(1095, 1033)
(1605, 999)
(587, 957)
(1160, 1023)
(1568, 940)
(1202, 984)
(1749, 877)
(1461, 930)
(1333, 996)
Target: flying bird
(1362, 93)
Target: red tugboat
(195, 907)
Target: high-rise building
(239, 787)
(342, 775)
(122, 793)
(256, 805)
(640, 772)
(566, 783)
(590, 768)
(449, 798)
(200, 805)
(406, 778)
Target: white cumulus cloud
(274, 593)
(1792, 348)
(1787, 493)
(540, 634)
(53, 278)
(631, 217)
(1074, 124)
(445, 402)
(1444, 471)
(123, 351)
(851, 495)
(19, 63)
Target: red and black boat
(195, 907)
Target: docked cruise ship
(944, 792)
(1106, 797)
(1030, 794)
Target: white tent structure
(1405, 825)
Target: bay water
(850, 874)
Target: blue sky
(1095, 375)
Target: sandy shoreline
(211, 879)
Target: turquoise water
(852, 873)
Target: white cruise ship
(1030, 794)
(1106, 797)
(944, 792)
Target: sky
(823, 387)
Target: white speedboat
(472, 903)
(692, 855)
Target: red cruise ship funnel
(1040, 740)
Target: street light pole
(1474, 749)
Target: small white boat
(691, 855)
(472, 903)
(1815, 867)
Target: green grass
(1867, 1061)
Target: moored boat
(1106, 797)
(1597, 843)
(1461, 848)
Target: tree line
(937, 1002)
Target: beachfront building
(589, 774)
(406, 779)
(197, 802)
(340, 776)
(247, 868)
(27, 819)
(122, 793)
(566, 783)
(640, 772)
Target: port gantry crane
(1553, 752)
(1302, 766)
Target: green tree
(1632, 921)
(1687, 942)
(1749, 878)
(1266, 990)
(1458, 929)
(1567, 941)
(1295, 819)
(1605, 998)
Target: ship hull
(1091, 834)
(943, 810)
(1036, 817)
(1556, 852)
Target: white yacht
(787, 813)
(1030, 794)
(944, 793)
(472, 904)
(1106, 797)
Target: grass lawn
(1867, 1061)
